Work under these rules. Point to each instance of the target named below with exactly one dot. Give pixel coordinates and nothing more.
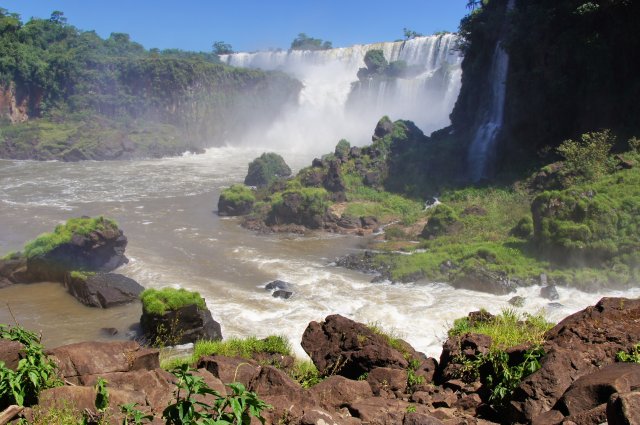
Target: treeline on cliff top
(60, 73)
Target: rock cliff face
(14, 107)
(571, 70)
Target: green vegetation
(588, 159)
(159, 301)
(305, 373)
(243, 347)
(507, 329)
(82, 275)
(410, 34)
(304, 42)
(266, 169)
(379, 67)
(91, 98)
(234, 409)
(64, 232)
(631, 357)
(221, 48)
(34, 373)
(237, 194)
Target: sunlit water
(166, 209)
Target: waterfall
(334, 104)
(482, 148)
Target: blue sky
(249, 24)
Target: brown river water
(166, 209)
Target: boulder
(624, 409)
(576, 347)
(102, 289)
(337, 391)
(484, 280)
(181, 326)
(383, 128)
(14, 270)
(549, 292)
(100, 250)
(282, 294)
(333, 179)
(386, 382)
(377, 410)
(230, 369)
(280, 288)
(468, 346)
(10, 353)
(78, 361)
(232, 207)
(344, 347)
(595, 389)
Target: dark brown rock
(385, 382)
(468, 345)
(337, 391)
(624, 409)
(344, 347)
(232, 208)
(317, 416)
(413, 418)
(468, 403)
(595, 389)
(93, 358)
(552, 417)
(10, 353)
(100, 250)
(181, 326)
(575, 347)
(595, 416)
(484, 280)
(381, 411)
(230, 369)
(102, 290)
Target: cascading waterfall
(333, 104)
(481, 150)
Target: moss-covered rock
(266, 169)
(236, 200)
(176, 316)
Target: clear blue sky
(249, 24)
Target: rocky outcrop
(484, 280)
(579, 345)
(183, 325)
(10, 353)
(340, 346)
(100, 250)
(102, 289)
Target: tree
(57, 17)
(375, 61)
(474, 4)
(222, 48)
(304, 42)
(409, 34)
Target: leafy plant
(133, 416)
(235, 409)
(632, 357)
(34, 373)
(587, 159)
(305, 373)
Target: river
(166, 208)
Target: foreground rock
(99, 250)
(579, 345)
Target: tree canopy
(304, 42)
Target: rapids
(166, 209)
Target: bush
(158, 301)
(342, 149)
(266, 169)
(588, 159)
(439, 222)
(238, 193)
(64, 232)
(524, 228)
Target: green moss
(238, 193)
(83, 275)
(159, 301)
(266, 169)
(64, 232)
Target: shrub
(524, 228)
(439, 222)
(158, 301)
(631, 357)
(342, 149)
(305, 373)
(634, 144)
(266, 169)
(238, 193)
(587, 159)
(375, 61)
(64, 232)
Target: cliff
(572, 69)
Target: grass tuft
(159, 301)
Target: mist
(335, 104)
